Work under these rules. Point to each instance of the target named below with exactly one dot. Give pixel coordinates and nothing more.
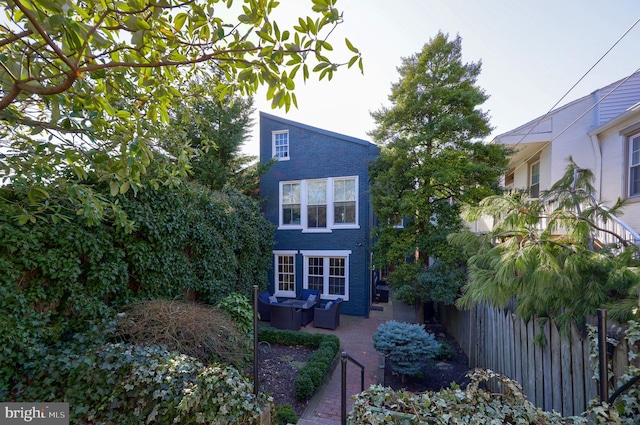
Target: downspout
(597, 155)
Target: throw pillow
(328, 306)
(273, 299)
(312, 297)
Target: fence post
(602, 352)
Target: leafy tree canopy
(432, 159)
(88, 84)
(546, 255)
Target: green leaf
(350, 46)
(179, 21)
(114, 187)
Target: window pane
(286, 275)
(317, 192)
(344, 190)
(317, 216)
(315, 273)
(344, 212)
(337, 279)
(634, 185)
(535, 173)
(291, 193)
(635, 151)
(291, 214)
(281, 145)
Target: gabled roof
(607, 103)
(306, 127)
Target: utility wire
(578, 82)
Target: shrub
(240, 311)
(128, 384)
(407, 345)
(474, 405)
(285, 415)
(445, 352)
(197, 330)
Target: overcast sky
(532, 53)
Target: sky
(532, 54)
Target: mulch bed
(278, 367)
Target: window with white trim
(285, 273)
(344, 201)
(634, 165)
(317, 204)
(290, 204)
(328, 272)
(534, 180)
(328, 204)
(280, 145)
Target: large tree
(432, 160)
(87, 84)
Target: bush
(240, 311)
(60, 275)
(445, 352)
(311, 375)
(285, 415)
(407, 345)
(474, 405)
(128, 384)
(197, 330)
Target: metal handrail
(343, 407)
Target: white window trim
(531, 165)
(630, 141)
(330, 207)
(282, 226)
(326, 254)
(273, 145)
(277, 291)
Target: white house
(600, 131)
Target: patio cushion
(273, 299)
(312, 297)
(328, 305)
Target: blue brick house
(316, 193)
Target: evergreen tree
(215, 130)
(432, 160)
(547, 255)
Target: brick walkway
(355, 335)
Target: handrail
(343, 409)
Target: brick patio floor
(355, 335)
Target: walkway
(355, 335)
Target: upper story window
(290, 204)
(330, 203)
(634, 165)
(317, 204)
(534, 180)
(344, 201)
(280, 144)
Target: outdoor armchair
(285, 317)
(265, 299)
(328, 318)
(304, 295)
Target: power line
(578, 82)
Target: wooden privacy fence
(556, 375)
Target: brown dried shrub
(198, 330)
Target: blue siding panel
(315, 153)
